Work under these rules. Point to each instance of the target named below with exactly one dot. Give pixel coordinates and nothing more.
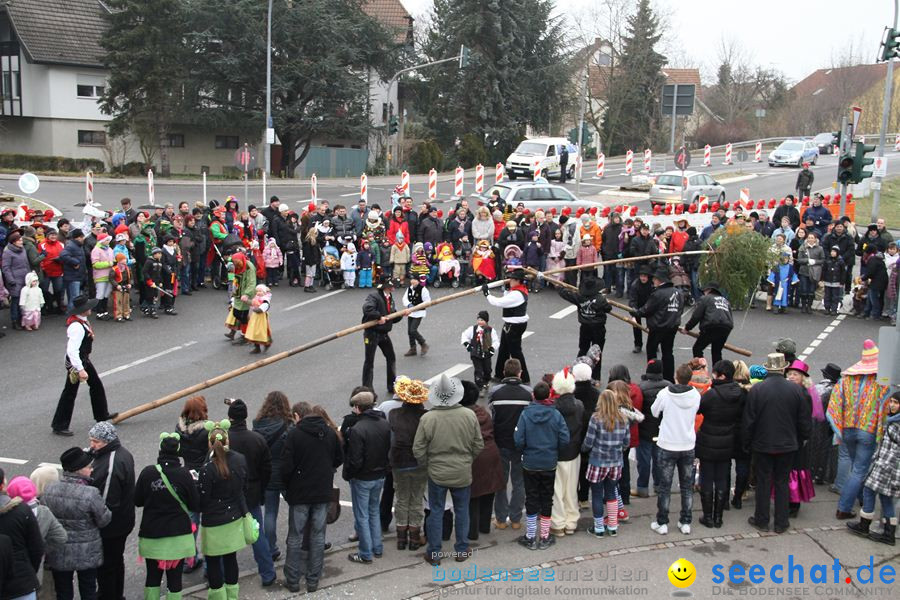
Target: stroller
(681, 280)
(332, 277)
(448, 265)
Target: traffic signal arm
(860, 161)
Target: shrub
(29, 162)
(471, 151)
(426, 156)
(739, 259)
(134, 168)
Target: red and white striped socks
(612, 514)
(545, 527)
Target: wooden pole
(625, 260)
(288, 353)
(632, 322)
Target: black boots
(415, 538)
(719, 502)
(888, 535)
(862, 528)
(740, 486)
(402, 538)
(706, 501)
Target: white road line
(815, 343)
(54, 465)
(350, 194)
(527, 334)
(564, 312)
(829, 329)
(451, 372)
(823, 335)
(311, 300)
(141, 361)
(821, 338)
(12, 461)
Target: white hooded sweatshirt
(678, 406)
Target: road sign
(857, 113)
(270, 135)
(29, 183)
(245, 158)
(681, 95)
(682, 158)
(742, 156)
(879, 167)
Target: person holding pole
(378, 305)
(713, 313)
(592, 309)
(663, 313)
(514, 303)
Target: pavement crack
(828, 552)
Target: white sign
(270, 135)
(29, 183)
(879, 167)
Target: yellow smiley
(682, 573)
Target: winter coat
(876, 273)
(120, 497)
(591, 309)
(650, 385)
(51, 266)
(31, 297)
(541, 435)
(311, 454)
(222, 500)
(507, 401)
(487, 470)
(194, 445)
(344, 229)
(79, 508)
(14, 268)
(368, 447)
(606, 446)
(483, 229)
(431, 230)
(376, 306)
(609, 248)
(676, 407)
(395, 226)
(691, 262)
(805, 179)
(404, 422)
(845, 243)
(835, 271)
(777, 417)
(255, 450)
(663, 309)
(531, 257)
(400, 255)
(592, 231)
(588, 395)
(52, 532)
(573, 412)
(163, 516)
(19, 524)
(811, 260)
(639, 293)
(272, 255)
(712, 311)
(722, 407)
(884, 474)
(447, 442)
(790, 212)
(642, 246)
(312, 254)
(821, 217)
(274, 430)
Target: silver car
(667, 189)
(535, 196)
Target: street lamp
(269, 133)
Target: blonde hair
(622, 392)
(607, 412)
(742, 374)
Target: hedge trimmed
(30, 162)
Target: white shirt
(509, 299)
(426, 297)
(467, 337)
(75, 332)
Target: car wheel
(721, 198)
(815, 159)
(572, 172)
(512, 176)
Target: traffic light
(393, 125)
(837, 136)
(845, 169)
(890, 45)
(464, 56)
(860, 161)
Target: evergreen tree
(633, 103)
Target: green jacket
(447, 441)
(244, 285)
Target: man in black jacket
(805, 180)
(19, 525)
(377, 305)
(592, 309)
(663, 313)
(639, 292)
(113, 475)
(777, 421)
(847, 248)
(311, 454)
(651, 383)
(259, 469)
(366, 467)
(431, 230)
(507, 401)
(787, 210)
(713, 313)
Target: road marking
(350, 194)
(54, 465)
(563, 313)
(821, 337)
(311, 300)
(12, 461)
(829, 329)
(141, 361)
(527, 334)
(346, 503)
(451, 372)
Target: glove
(485, 290)
(812, 261)
(466, 345)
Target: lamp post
(267, 152)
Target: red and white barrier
(648, 159)
(479, 178)
(707, 156)
(601, 160)
(432, 184)
(727, 154)
(896, 147)
(364, 187)
(896, 143)
(745, 198)
(150, 192)
(404, 182)
(758, 157)
(314, 188)
(89, 187)
(536, 168)
(703, 204)
(458, 183)
(629, 162)
(499, 173)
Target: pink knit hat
(21, 487)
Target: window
(90, 91)
(175, 140)
(226, 142)
(562, 194)
(91, 138)
(697, 180)
(384, 112)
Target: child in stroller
(681, 280)
(448, 266)
(332, 276)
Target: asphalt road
(143, 360)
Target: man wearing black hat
(377, 305)
(592, 309)
(79, 368)
(514, 303)
(663, 313)
(639, 292)
(713, 313)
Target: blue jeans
(602, 492)
(695, 284)
(887, 503)
(15, 311)
(261, 553)
(667, 462)
(510, 505)
(873, 304)
(366, 498)
(73, 289)
(843, 467)
(861, 446)
(647, 465)
(272, 502)
(434, 523)
(299, 562)
(185, 279)
(198, 272)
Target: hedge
(30, 162)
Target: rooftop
(60, 32)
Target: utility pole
(267, 146)
(674, 119)
(885, 115)
(844, 149)
(581, 130)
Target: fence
(333, 162)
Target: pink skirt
(31, 318)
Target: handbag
(251, 529)
(334, 506)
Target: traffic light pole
(844, 149)
(885, 115)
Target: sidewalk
(634, 563)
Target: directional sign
(682, 158)
(742, 156)
(879, 167)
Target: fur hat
(470, 393)
(237, 410)
(74, 459)
(103, 431)
(581, 372)
(564, 382)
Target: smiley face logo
(682, 573)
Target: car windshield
(791, 146)
(531, 148)
(823, 138)
(668, 180)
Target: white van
(543, 152)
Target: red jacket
(678, 240)
(396, 226)
(637, 400)
(51, 265)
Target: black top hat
(831, 372)
(81, 304)
(711, 285)
(385, 281)
(645, 270)
(74, 459)
(662, 274)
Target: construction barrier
(727, 154)
(364, 187)
(432, 184)
(896, 143)
(89, 187)
(707, 156)
(758, 157)
(313, 187)
(601, 159)
(458, 183)
(479, 179)
(648, 160)
(498, 173)
(404, 182)
(629, 162)
(150, 192)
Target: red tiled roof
(392, 15)
(858, 77)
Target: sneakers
(530, 543)
(660, 529)
(623, 515)
(410, 352)
(595, 532)
(685, 528)
(546, 542)
(613, 532)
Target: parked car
(544, 152)
(794, 153)
(825, 143)
(535, 195)
(667, 189)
